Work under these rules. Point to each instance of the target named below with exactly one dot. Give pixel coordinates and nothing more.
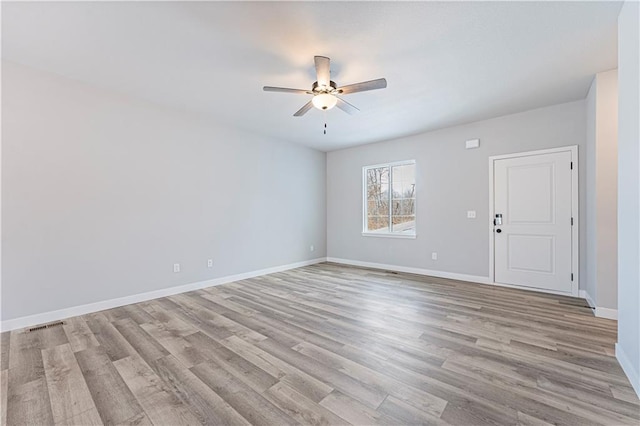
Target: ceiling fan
(325, 92)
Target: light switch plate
(471, 214)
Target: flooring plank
(68, 390)
(5, 341)
(161, 406)
(52, 337)
(527, 420)
(353, 411)
(307, 385)
(25, 357)
(115, 346)
(173, 343)
(140, 419)
(427, 402)
(369, 395)
(4, 385)
(137, 314)
(623, 393)
(256, 378)
(144, 344)
(301, 408)
(407, 414)
(113, 399)
(247, 402)
(79, 334)
(208, 406)
(28, 403)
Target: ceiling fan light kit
(324, 101)
(325, 91)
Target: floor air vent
(42, 327)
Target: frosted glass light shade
(324, 101)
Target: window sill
(405, 236)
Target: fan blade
(380, 83)
(302, 111)
(322, 70)
(285, 90)
(346, 106)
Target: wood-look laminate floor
(324, 344)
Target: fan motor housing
(317, 89)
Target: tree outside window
(390, 197)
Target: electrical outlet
(434, 256)
(471, 214)
(210, 263)
(176, 267)
(312, 248)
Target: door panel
(533, 253)
(533, 245)
(535, 204)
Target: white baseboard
(629, 369)
(587, 297)
(598, 311)
(57, 315)
(411, 270)
(606, 313)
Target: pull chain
(325, 122)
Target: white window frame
(366, 233)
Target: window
(390, 199)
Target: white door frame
(575, 229)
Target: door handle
(498, 230)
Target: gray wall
(628, 348)
(602, 190)
(102, 194)
(450, 181)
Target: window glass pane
(403, 214)
(378, 199)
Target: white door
(532, 246)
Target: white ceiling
(445, 63)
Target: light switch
(471, 214)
